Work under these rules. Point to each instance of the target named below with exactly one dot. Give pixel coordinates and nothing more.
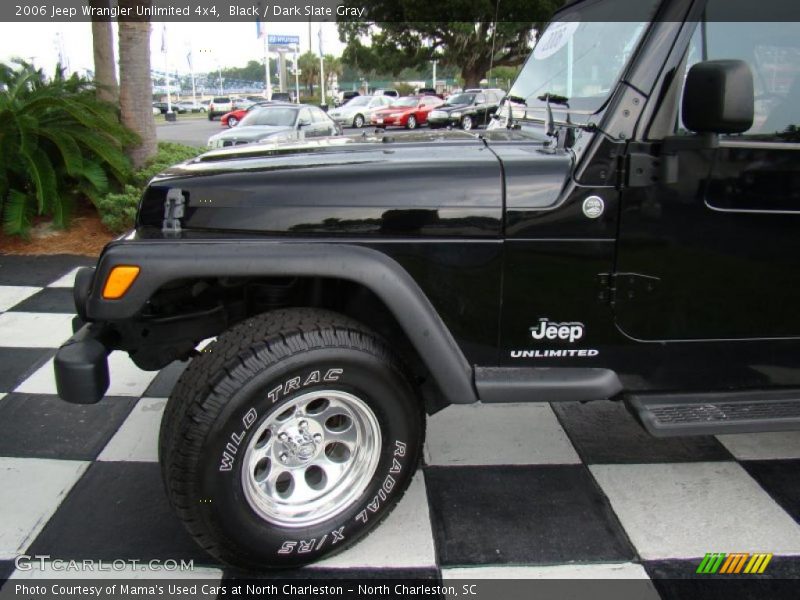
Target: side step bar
(665, 415)
(562, 384)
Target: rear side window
(221, 100)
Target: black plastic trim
(755, 403)
(162, 262)
(567, 384)
(81, 366)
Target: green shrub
(58, 143)
(118, 209)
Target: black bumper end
(81, 366)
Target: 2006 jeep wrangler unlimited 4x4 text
(626, 227)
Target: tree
(400, 38)
(333, 67)
(105, 71)
(59, 144)
(309, 70)
(135, 85)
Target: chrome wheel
(310, 460)
(233, 121)
(466, 123)
(358, 122)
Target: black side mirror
(718, 97)
(303, 123)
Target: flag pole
(267, 81)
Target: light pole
(434, 74)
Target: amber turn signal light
(119, 281)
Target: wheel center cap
(299, 446)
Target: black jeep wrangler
(625, 228)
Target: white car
(218, 106)
(358, 111)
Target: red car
(232, 118)
(409, 112)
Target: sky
(213, 44)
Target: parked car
(232, 118)
(429, 92)
(466, 110)
(387, 92)
(632, 245)
(163, 107)
(156, 111)
(189, 106)
(218, 106)
(345, 97)
(282, 97)
(358, 111)
(409, 112)
(277, 123)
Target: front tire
(466, 123)
(233, 121)
(358, 121)
(412, 122)
(289, 438)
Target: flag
(164, 39)
(259, 29)
(319, 35)
(189, 59)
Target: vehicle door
(305, 124)
(427, 104)
(712, 253)
(323, 126)
(479, 107)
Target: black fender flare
(164, 261)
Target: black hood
(429, 183)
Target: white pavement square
(34, 330)
(65, 281)
(403, 540)
(763, 446)
(683, 510)
(31, 491)
(497, 434)
(11, 295)
(137, 438)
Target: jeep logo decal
(557, 331)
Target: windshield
(407, 101)
(276, 117)
(462, 99)
(359, 101)
(579, 58)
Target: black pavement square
(678, 580)
(522, 515)
(780, 480)
(38, 270)
(44, 426)
(17, 364)
(48, 300)
(604, 432)
(162, 384)
(6, 568)
(118, 510)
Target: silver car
(358, 111)
(277, 123)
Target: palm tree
(333, 67)
(135, 85)
(309, 70)
(105, 72)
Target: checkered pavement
(508, 491)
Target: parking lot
(195, 130)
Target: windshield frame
(582, 115)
